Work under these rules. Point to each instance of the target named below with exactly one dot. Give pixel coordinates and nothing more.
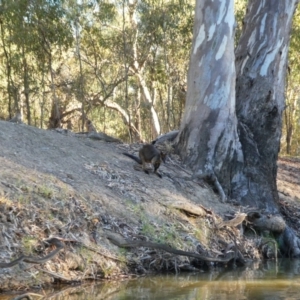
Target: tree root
(212, 179)
(289, 243)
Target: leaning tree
(230, 132)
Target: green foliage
(28, 243)
(70, 61)
(240, 10)
(291, 128)
(45, 191)
(92, 74)
(29, 31)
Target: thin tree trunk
(139, 117)
(148, 99)
(289, 130)
(26, 86)
(81, 79)
(126, 68)
(138, 69)
(43, 98)
(8, 71)
(55, 117)
(290, 119)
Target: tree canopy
(121, 64)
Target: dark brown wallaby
(149, 154)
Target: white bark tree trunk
(147, 97)
(208, 138)
(137, 68)
(245, 163)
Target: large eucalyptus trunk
(261, 64)
(208, 140)
(243, 164)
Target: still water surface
(270, 281)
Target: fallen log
(119, 241)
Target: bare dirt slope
(288, 183)
(52, 184)
(95, 169)
(288, 179)
(55, 184)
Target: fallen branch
(170, 137)
(28, 296)
(100, 253)
(74, 240)
(37, 260)
(98, 136)
(125, 243)
(55, 275)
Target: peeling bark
(208, 139)
(237, 143)
(244, 165)
(261, 63)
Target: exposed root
(212, 179)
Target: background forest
(120, 64)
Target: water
(269, 281)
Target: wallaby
(149, 154)
(17, 118)
(90, 126)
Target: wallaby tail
(137, 159)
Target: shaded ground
(53, 184)
(288, 182)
